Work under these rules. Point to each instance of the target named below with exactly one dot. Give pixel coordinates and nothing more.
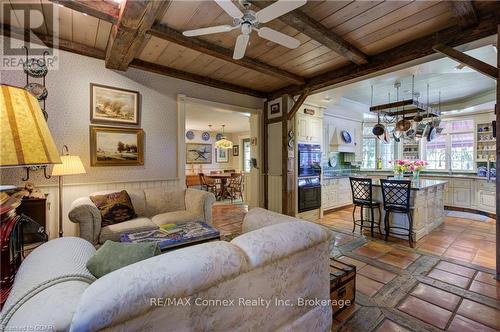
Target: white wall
(68, 108)
(237, 138)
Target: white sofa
(154, 207)
(282, 262)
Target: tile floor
(445, 283)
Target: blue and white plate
(218, 136)
(189, 134)
(346, 136)
(205, 136)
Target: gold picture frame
(116, 146)
(110, 105)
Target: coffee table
(172, 236)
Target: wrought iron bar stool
(396, 198)
(362, 197)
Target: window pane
(246, 156)
(367, 130)
(459, 126)
(387, 153)
(436, 153)
(462, 151)
(369, 152)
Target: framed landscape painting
(112, 146)
(221, 155)
(113, 105)
(198, 153)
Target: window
(247, 164)
(454, 147)
(369, 152)
(374, 148)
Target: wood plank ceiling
(367, 28)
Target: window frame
(378, 147)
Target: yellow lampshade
(25, 138)
(70, 165)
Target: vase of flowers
(400, 167)
(416, 167)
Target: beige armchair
(154, 207)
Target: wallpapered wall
(68, 109)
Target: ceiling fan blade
(278, 37)
(241, 46)
(209, 30)
(230, 8)
(277, 9)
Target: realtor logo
(28, 28)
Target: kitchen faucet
(450, 171)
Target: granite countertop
(439, 175)
(417, 185)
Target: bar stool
(362, 196)
(396, 197)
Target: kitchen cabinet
(335, 193)
(461, 197)
(309, 129)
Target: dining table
(223, 178)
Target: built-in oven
(309, 160)
(309, 193)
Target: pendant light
(223, 143)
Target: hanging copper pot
(403, 125)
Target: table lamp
(24, 135)
(70, 165)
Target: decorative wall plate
(35, 67)
(346, 136)
(218, 136)
(205, 136)
(39, 91)
(189, 134)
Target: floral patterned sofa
(253, 283)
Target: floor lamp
(70, 165)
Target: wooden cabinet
(486, 201)
(309, 129)
(461, 197)
(335, 193)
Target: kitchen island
(427, 203)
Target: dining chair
(362, 196)
(235, 186)
(396, 199)
(207, 185)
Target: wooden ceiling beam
(318, 32)
(465, 13)
(103, 10)
(413, 50)
(172, 72)
(298, 103)
(164, 32)
(129, 33)
(471, 62)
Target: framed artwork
(198, 153)
(236, 150)
(274, 108)
(114, 146)
(221, 156)
(111, 105)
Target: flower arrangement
(417, 165)
(405, 165)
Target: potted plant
(416, 167)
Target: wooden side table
(35, 208)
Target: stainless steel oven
(309, 193)
(309, 160)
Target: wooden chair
(235, 186)
(193, 181)
(207, 184)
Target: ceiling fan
(248, 20)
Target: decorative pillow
(112, 256)
(114, 207)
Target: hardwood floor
(445, 283)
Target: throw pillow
(112, 256)
(115, 207)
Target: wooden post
(265, 162)
(497, 118)
(285, 206)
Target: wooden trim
(465, 13)
(265, 148)
(164, 32)
(338, 208)
(275, 120)
(415, 49)
(298, 103)
(285, 206)
(477, 65)
(497, 182)
(163, 70)
(129, 33)
(461, 209)
(316, 31)
(102, 10)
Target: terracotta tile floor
(453, 288)
(467, 240)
